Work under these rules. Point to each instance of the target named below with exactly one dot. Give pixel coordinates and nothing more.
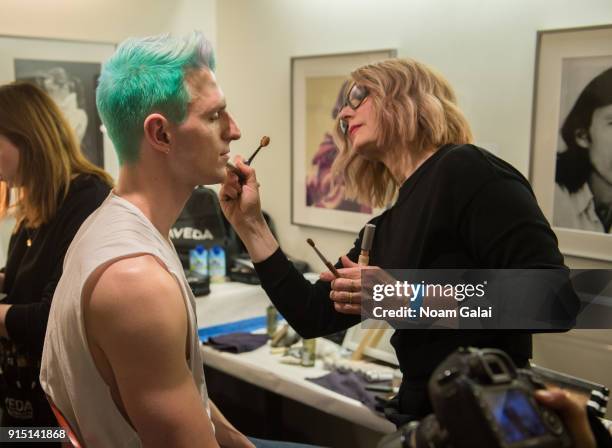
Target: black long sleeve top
(32, 273)
(462, 208)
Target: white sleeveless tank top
(68, 373)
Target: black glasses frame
(347, 99)
(347, 102)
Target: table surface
(229, 302)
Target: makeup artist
(50, 188)
(402, 138)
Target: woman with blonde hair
(402, 138)
(50, 189)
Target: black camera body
(480, 399)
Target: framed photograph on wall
(68, 71)
(571, 138)
(317, 87)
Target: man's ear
(582, 138)
(157, 132)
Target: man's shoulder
(136, 288)
(113, 229)
(135, 315)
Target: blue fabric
(245, 325)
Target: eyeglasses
(354, 98)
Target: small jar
(271, 320)
(309, 351)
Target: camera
(481, 400)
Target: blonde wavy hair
(416, 110)
(49, 155)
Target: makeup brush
(265, 141)
(330, 266)
(366, 244)
(234, 169)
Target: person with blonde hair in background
(50, 188)
(402, 138)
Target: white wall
(486, 48)
(105, 20)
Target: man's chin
(214, 178)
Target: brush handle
(236, 171)
(364, 258)
(250, 159)
(332, 268)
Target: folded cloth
(348, 384)
(238, 342)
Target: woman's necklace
(31, 233)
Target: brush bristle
(311, 242)
(265, 141)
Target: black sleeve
(603, 438)
(27, 323)
(307, 307)
(504, 228)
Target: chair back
(63, 423)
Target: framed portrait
(318, 85)
(571, 138)
(68, 71)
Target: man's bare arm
(137, 317)
(227, 434)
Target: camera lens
(552, 421)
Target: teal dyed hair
(147, 75)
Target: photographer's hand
(572, 412)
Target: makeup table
(230, 302)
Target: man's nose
(233, 132)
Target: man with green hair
(121, 359)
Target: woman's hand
(240, 203)
(241, 206)
(346, 291)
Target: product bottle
(198, 260)
(309, 351)
(216, 260)
(271, 320)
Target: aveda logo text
(189, 233)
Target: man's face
(600, 150)
(202, 140)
